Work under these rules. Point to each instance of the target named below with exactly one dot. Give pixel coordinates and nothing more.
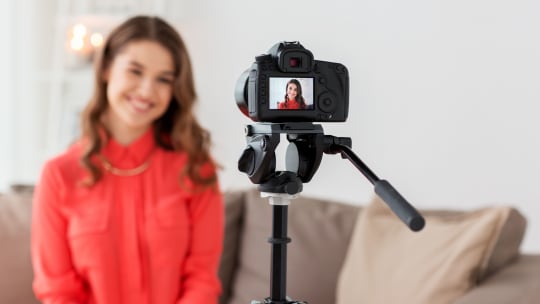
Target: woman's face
(292, 91)
(139, 86)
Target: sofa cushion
(436, 265)
(518, 283)
(320, 234)
(506, 249)
(234, 209)
(15, 262)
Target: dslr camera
(288, 85)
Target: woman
(132, 212)
(293, 97)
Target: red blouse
(291, 104)
(140, 239)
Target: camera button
(341, 68)
(316, 68)
(326, 102)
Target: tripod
(304, 155)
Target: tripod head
(258, 161)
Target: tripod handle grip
(405, 211)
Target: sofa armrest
(518, 283)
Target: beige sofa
(320, 232)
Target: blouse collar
(135, 153)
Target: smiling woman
(132, 212)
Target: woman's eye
(135, 72)
(165, 80)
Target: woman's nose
(146, 87)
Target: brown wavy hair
(177, 129)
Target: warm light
(84, 37)
(96, 40)
(79, 30)
(77, 43)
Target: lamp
(84, 36)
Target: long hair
(177, 129)
(299, 98)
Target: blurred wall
(443, 94)
(7, 102)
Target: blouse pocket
(88, 237)
(170, 239)
(89, 221)
(171, 211)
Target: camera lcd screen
(288, 93)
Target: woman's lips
(140, 105)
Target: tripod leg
(279, 240)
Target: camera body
(288, 85)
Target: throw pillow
(388, 263)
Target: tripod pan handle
(399, 205)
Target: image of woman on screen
(293, 97)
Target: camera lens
(241, 94)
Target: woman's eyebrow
(135, 63)
(139, 65)
(167, 73)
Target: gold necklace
(124, 172)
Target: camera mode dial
(263, 58)
(327, 102)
